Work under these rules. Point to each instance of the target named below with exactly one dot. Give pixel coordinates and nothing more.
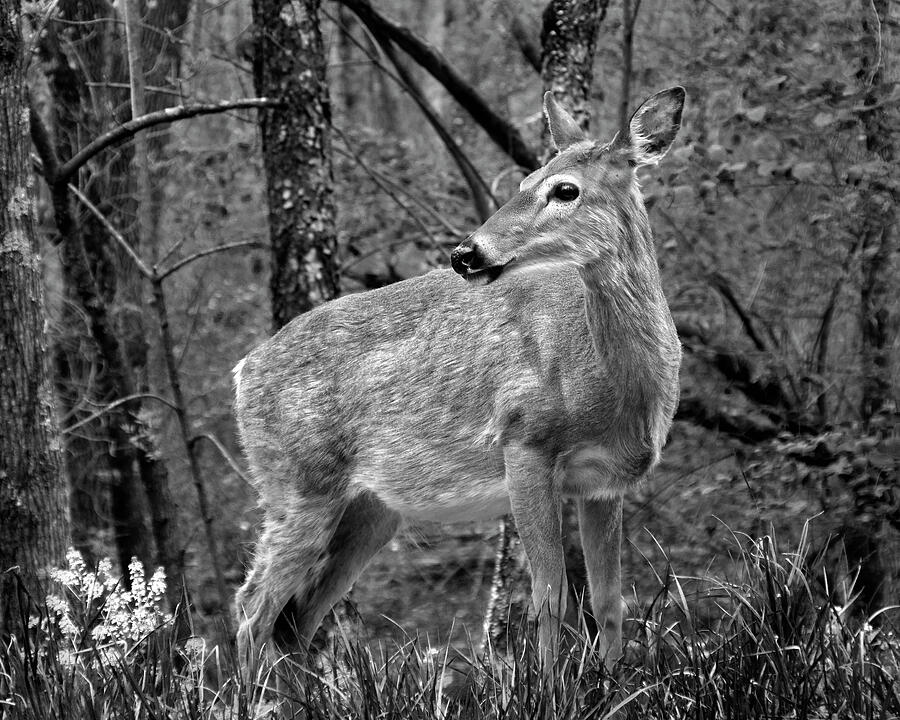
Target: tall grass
(774, 646)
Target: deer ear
(653, 127)
(563, 128)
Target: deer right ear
(653, 127)
(563, 129)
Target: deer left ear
(653, 127)
(563, 128)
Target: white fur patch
(236, 374)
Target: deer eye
(565, 192)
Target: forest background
(382, 136)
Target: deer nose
(463, 257)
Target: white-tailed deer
(552, 372)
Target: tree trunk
(629, 17)
(289, 64)
(568, 37)
(33, 517)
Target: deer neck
(630, 323)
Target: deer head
(582, 207)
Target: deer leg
(287, 562)
(600, 522)
(536, 507)
(365, 527)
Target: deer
(542, 366)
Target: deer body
(552, 373)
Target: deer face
(584, 206)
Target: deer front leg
(600, 523)
(536, 508)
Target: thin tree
(878, 75)
(34, 527)
(879, 246)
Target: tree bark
(568, 37)
(630, 10)
(289, 64)
(34, 526)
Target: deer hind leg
(600, 522)
(537, 509)
(366, 525)
(289, 557)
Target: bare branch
(113, 405)
(223, 451)
(116, 235)
(483, 199)
(382, 180)
(203, 253)
(128, 129)
(154, 273)
(501, 131)
(378, 181)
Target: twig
(380, 179)
(382, 183)
(162, 275)
(223, 451)
(155, 273)
(115, 234)
(172, 248)
(483, 199)
(116, 403)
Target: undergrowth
(778, 647)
